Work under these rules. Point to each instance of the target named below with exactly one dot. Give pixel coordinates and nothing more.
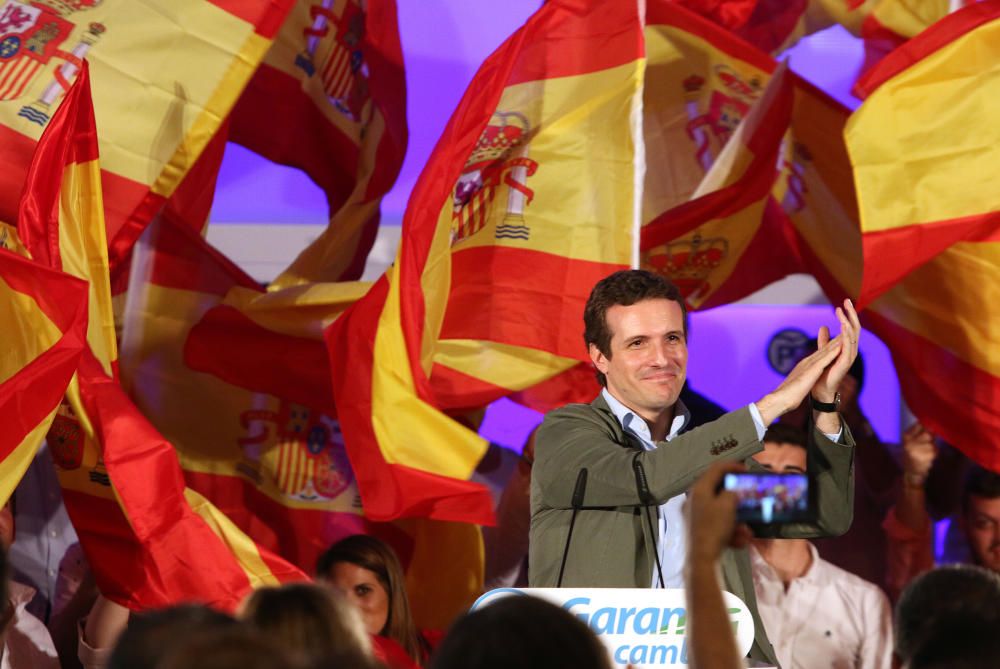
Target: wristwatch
(826, 407)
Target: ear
(598, 358)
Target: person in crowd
(314, 622)
(151, 634)
(506, 543)
(815, 613)
(237, 647)
(520, 631)
(635, 326)
(369, 575)
(908, 524)
(26, 643)
(949, 618)
(862, 550)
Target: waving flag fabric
(44, 318)
(929, 214)
(261, 441)
(519, 218)
(929, 182)
(719, 246)
(166, 75)
(330, 99)
(150, 541)
(701, 81)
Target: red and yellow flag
(926, 151)
(719, 246)
(520, 218)
(239, 381)
(330, 99)
(150, 541)
(159, 104)
(924, 181)
(44, 318)
(701, 81)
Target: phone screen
(770, 498)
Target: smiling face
(647, 360)
(363, 589)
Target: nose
(661, 354)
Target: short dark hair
(980, 482)
(625, 288)
(520, 631)
(943, 600)
(238, 647)
(961, 645)
(783, 433)
(150, 634)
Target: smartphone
(771, 498)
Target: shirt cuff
(758, 421)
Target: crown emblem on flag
(735, 83)
(499, 159)
(497, 140)
(689, 262)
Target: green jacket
(610, 544)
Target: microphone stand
(577, 502)
(646, 499)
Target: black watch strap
(826, 407)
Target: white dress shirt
(826, 618)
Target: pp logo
(786, 348)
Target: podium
(639, 626)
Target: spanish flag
(815, 194)
(165, 77)
(531, 196)
(925, 146)
(330, 98)
(929, 214)
(701, 81)
(44, 317)
(150, 541)
(238, 380)
(720, 246)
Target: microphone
(646, 500)
(578, 492)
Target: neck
(789, 558)
(659, 424)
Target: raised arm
(711, 527)
(579, 436)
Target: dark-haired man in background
(636, 332)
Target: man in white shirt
(816, 614)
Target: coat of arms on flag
(31, 35)
(333, 51)
(301, 448)
(500, 158)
